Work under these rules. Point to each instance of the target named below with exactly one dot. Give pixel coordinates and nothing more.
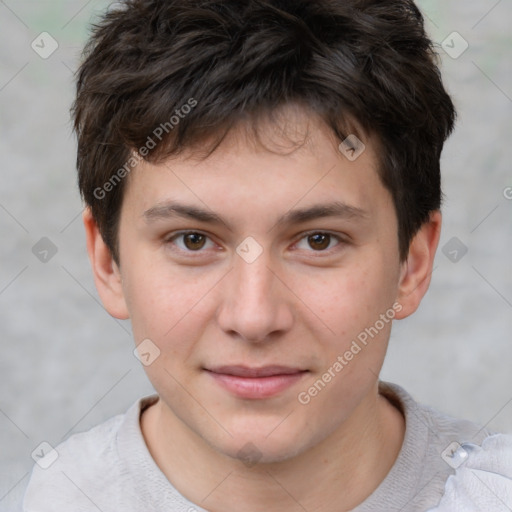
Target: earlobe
(416, 272)
(107, 275)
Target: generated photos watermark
(363, 338)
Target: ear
(416, 271)
(107, 275)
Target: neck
(336, 474)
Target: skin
(301, 303)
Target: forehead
(294, 163)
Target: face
(268, 282)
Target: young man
(263, 190)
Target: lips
(266, 371)
(256, 383)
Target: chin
(256, 447)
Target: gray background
(66, 365)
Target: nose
(256, 306)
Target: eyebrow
(170, 209)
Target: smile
(256, 383)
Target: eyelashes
(196, 243)
(193, 237)
(320, 237)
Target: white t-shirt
(444, 465)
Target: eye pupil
(319, 241)
(194, 241)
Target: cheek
(353, 301)
(349, 298)
(165, 301)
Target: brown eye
(319, 241)
(191, 244)
(194, 241)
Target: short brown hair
(368, 61)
